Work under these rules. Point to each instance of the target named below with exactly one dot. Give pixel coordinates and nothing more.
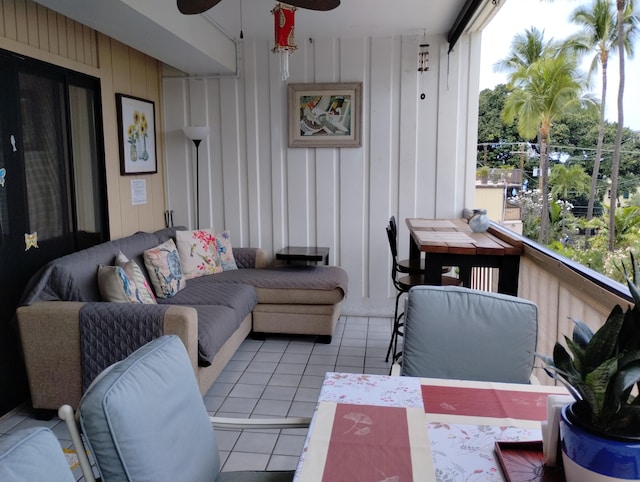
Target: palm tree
(542, 93)
(626, 32)
(526, 48)
(564, 181)
(599, 35)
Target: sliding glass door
(52, 184)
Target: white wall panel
(270, 195)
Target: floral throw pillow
(115, 285)
(144, 293)
(198, 253)
(225, 252)
(165, 272)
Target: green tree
(542, 93)
(565, 181)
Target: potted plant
(600, 431)
(483, 174)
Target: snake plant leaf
(624, 381)
(604, 343)
(556, 376)
(632, 282)
(598, 382)
(630, 331)
(562, 360)
(582, 334)
(623, 409)
(578, 353)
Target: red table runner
(482, 402)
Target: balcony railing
(562, 289)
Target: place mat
(484, 405)
(444, 237)
(466, 452)
(359, 443)
(432, 223)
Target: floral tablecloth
(444, 430)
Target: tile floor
(280, 376)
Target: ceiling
(206, 43)
(353, 18)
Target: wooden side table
(304, 253)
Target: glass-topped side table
(312, 254)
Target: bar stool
(403, 284)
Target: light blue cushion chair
(144, 420)
(460, 333)
(33, 454)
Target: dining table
(398, 429)
(451, 242)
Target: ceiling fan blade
(191, 7)
(322, 5)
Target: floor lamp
(196, 134)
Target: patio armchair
(143, 418)
(33, 454)
(460, 333)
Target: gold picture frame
(325, 115)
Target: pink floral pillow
(198, 252)
(225, 252)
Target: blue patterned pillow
(225, 252)
(164, 269)
(115, 285)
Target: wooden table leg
(508, 277)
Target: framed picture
(136, 135)
(325, 115)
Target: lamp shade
(196, 133)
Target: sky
(515, 16)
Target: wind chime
(423, 65)
(284, 20)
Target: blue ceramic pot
(589, 456)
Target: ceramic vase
(479, 222)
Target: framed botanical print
(136, 135)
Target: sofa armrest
(250, 257)
(50, 335)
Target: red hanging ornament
(284, 21)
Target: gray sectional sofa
(69, 334)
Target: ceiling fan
(191, 7)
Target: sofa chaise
(69, 334)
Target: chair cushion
(33, 454)
(455, 332)
(145, 419)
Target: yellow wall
(30, 29)
(491, 198)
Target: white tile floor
(280, 376)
